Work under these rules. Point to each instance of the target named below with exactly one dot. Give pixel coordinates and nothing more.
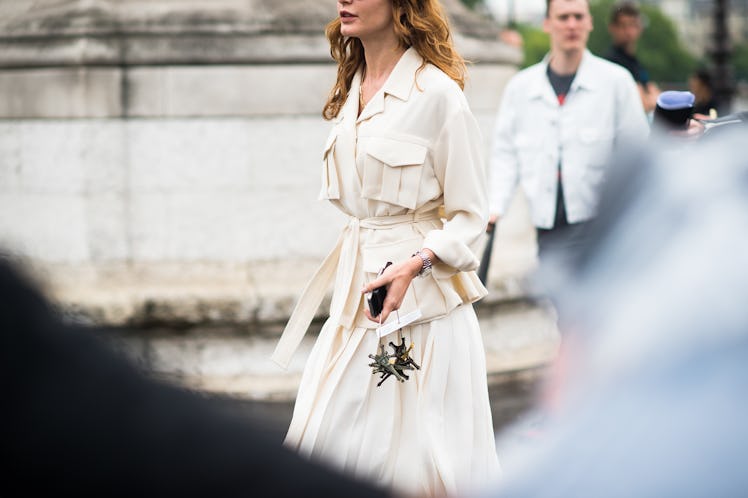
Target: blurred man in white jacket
(558, 123)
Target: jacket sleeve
(459, 167)
(632, 126)
(503, 165)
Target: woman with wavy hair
(403, 160)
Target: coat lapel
(399, 84)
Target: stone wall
(159, 160)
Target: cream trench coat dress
(409, 173)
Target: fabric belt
(344, 306)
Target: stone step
(520, 338)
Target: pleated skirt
(431, 435)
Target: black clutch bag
(376, 298)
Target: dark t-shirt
(630, 62)
(560, 83)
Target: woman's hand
(397, 278)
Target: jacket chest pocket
(392, 171)
(330, 181)
(596, 146)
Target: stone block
(224, 226)
(53, 158)
(259, 90)
(61, 157)
(188, 155)
(47, 227)
(11, 162)
(189, 226)
(75, 92)
(287, 153)
(107, 227)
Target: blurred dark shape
(79, 420)
(485, 260)
(651, 401)
(625, 27)
(700, 84)
(720, 53)
(673, 110)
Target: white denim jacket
(534, 133)
(409, 173)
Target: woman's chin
(348, 31)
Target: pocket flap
(396, 152)
(330, 141)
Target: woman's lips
(346, 17)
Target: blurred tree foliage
(740, 61)
(660, 49)
(535, 43)
(472, 3)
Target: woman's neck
(381, 57)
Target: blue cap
(672, 100)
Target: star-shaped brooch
(396, 364)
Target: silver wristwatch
(426, 268)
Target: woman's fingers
(395, 295)
(396, 278)
(377, 282)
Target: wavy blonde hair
(421, 24)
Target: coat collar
(584, 79)
(403, 77)
(399, 84)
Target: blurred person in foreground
(404, 163)
(558, 123)
(648, 397)
(625, 27)
(79, 420)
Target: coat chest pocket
(392, 171)
(330, 183)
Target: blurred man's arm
(648, 94)
(632, 125)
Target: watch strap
(427, 264)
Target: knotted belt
(344, 310)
